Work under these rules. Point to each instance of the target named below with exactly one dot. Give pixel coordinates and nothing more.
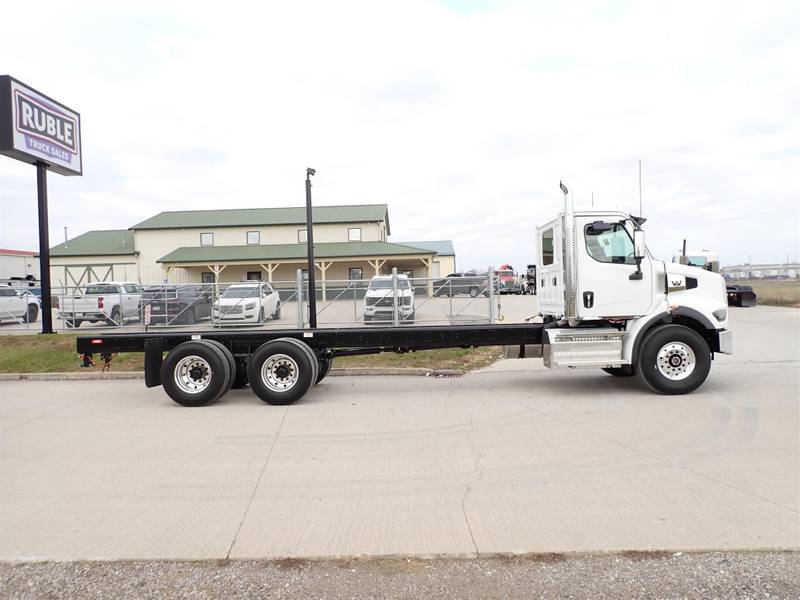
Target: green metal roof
(252, 217)
(265, 252)
(98, 243)
(441, 247)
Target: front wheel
(674, 359)
(277, 314)
(473, 292)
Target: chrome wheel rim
(676, 361)
(193, 374)
(280, 373)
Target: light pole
(312, 292)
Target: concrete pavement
(515, 459)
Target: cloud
(462, 117)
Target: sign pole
(44, 247)
(312, 292)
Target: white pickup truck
(113, 302)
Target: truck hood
(383, 293)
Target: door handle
(588, 299)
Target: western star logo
(47, 124)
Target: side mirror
(638, 244)
(638, 254)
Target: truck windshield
(696, 261)
(386, 284)
(240, 292)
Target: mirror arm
(637, 276)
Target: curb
(111, 375)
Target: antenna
(640, 187)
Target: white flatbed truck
(604, 301)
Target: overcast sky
(461, 116)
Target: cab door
(605, 258)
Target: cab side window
(609, 243)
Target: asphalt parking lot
(514, 459)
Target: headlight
(721, 314)
(250, 306)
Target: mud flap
(153, 357)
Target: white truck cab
(610, 304)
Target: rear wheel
(325, 365)
(240, 379)
(674, 359)
(195, 373)
(622, 371)
(70, 323)
(31, 314)
(231, 364)
(282, 371)
(114, 319)
(190, 318)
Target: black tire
(71, 323)
(277, 314)
(621, 371)
(190, 318)
(231, 364)
(261, 315)
(673, 359)
(114, 318)
(219, 373)
(309, 352)
(299, 372)
(31, 314)
(240, 379)
(325, 365)
(473, 292)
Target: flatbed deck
(247, 341)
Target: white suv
(379, 299)
(247, 303)
(21, 306)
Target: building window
(354, 234)
(356, 274)
(302, 238)
(305, 274)
(207, 277)
(254, 237)
(409, 274)
(254, 276)
(206, 239)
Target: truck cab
(605, 296)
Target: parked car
(461, 283)
(112, 302)
(177, 304)
(18, 305)
(247, 303)
(379, 299)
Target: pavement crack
(258, 482)
(468, 488)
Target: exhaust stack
(568, 253)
